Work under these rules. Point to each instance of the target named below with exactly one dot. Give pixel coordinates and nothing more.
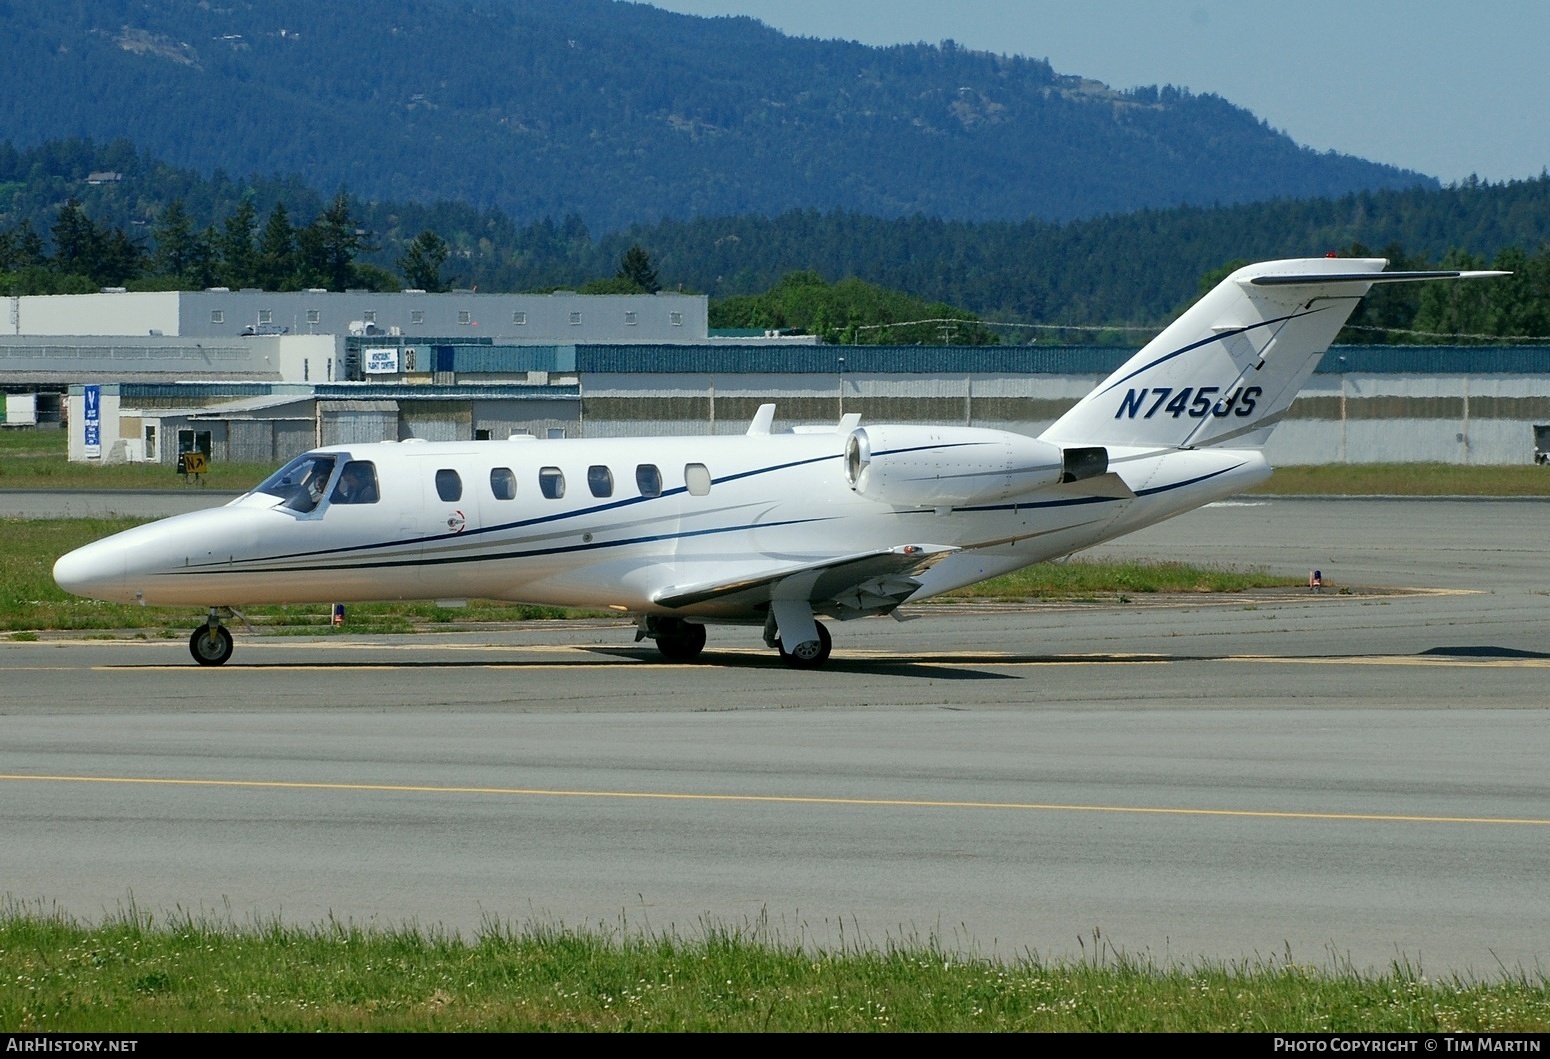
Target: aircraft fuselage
(672, 511)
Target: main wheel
(681, 641)
(210, 645)
(809, 655)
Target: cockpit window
(357, 484)
(302, 483)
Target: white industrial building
(219, 314)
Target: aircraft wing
(850, 586)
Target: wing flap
(848, 586)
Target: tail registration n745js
(766, 529)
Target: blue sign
(93, 420)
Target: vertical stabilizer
(1225, 372)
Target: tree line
(280, 255)
(157, 227)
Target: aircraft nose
(95, 571)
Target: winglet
(763, 420)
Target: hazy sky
(1446, 87)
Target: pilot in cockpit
(357, 484)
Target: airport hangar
(258, 377)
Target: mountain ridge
(624, 113)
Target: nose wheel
(210, 644)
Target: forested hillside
(621, 113)
(162, 226)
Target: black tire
(681, 641)
(808, 655)
(210, 647)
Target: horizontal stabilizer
(865, 583)
(1314, 279)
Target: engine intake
(958, 466)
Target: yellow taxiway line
(776, 799)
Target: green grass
(1082, 579)
(130, 974)
(1408, 479)
(35, 459)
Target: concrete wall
(1469, 419)
(645, 405)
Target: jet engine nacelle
(958, 466)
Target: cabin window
(648, 480)
(503, 483)
(301, 483)
(357, 484)
(697, 478)
(600, 480)
(448, 485)
(551, 482)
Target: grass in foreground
(127, 975)
(29, 599)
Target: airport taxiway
(1344, 776)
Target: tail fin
(1225, 372)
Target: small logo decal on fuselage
(456, 522)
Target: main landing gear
(682, 641)
(211, 643)
(791, 622)
(677, 640)
(809, 654)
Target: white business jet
(770, 529)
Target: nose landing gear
(211, 643)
